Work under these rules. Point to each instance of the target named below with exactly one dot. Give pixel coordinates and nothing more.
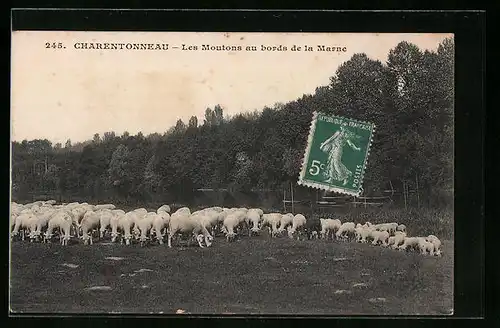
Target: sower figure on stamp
(334, 146)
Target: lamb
(346, 229)
(380, 236)
(329, 226)
(272, 220)
(63, 221)
(90, 221)
(437, 244)
(185, 224)
(286, 220)
(298, 226)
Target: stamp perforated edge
(305, 159)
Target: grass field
(249, 276)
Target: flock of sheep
(42, 219)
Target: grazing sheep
(398, 238)
(186, 224)
(271, 220)
(63, 221)
(380, 236)
(329, 227)
(409, 242)
(286, 220)
(104, 221)
(437, 244)
(91, 220)
(346, 230)
(425, 247)
(298, 226)
(253, 218)
(389, 227)
(22, 223)
(160, 222)
(230, 223)
(145, 224)
(125, 224)
(401, 228)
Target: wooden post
(365, 201)
(291, 191)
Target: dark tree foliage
(409, 98)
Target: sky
(60, 94)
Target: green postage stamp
(336, 154)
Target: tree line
(409, 98)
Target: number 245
(54, 45)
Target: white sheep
(398, 239)
(329, 227)
(185, 224)
(411, 242)
(345, 230)
(380, 236)
(389, 227)
(182, 211)
(230, 223)
(163, 208)
(401, 227)
(104, 221)
(210, 218)
(63, 221)
(160, 222)
(437, 244)
(91, 220)
(145, 224)
(253, 218)
(272, 220)
(125, 224)
(286, 220)
(425, 246)
(298, 226)
(22, 223)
